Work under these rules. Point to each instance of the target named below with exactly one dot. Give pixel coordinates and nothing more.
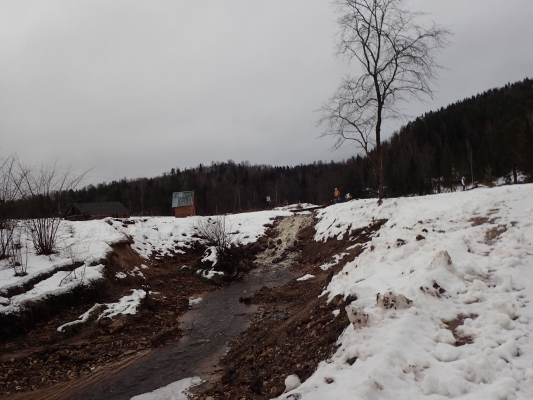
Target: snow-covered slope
(444, 293)
(88, 242)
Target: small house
(184, 204)
(96, 210)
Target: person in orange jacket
(337, 196)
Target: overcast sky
(135, 88)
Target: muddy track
(286, 323)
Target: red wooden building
(184, 204)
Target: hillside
(489, 134)
(421, 297)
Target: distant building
(87, 211)
(184, 204)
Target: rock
(104, 322)
(292, 382)
(118, 325)
(279, 241)
(336, 301)
(351, 360)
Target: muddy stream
(207, 328)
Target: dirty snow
(464, 257)
(89, 242)
(193, 302)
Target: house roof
(182, 199)
(103, 208)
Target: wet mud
(206, 330)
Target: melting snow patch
(126, 305)
(197, 300)
(175, 391)
(305, 277)
(60, 282)
(209, 274)
(336, 259)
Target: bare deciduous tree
(397, 57)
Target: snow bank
(60, 282)
(160, 236)
(446, 285)
(89, 242)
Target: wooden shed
(97, 210)
(184, 204)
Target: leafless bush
(217, 232)
(42, 188)
(18, 253)
(73, 273)
(9, 183)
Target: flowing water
(218, 318)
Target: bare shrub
(18, 253)
(74, 272)
(9, 193)
(217, 232)
(41, 189)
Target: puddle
(207, 328)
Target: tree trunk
(379, 155)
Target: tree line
(487, 135)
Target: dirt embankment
(295, 327)
(44, 363)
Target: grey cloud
(134, 88)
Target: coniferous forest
(488, 135)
